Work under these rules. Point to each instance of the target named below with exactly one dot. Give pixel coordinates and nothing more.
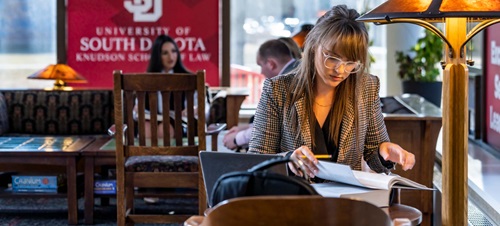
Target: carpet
(52, 211)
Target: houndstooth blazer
(272, 132)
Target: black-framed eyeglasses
(332, 62)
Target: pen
(320, 156)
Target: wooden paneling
(417, 135)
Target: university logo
(141, 8)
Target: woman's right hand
(303, 160)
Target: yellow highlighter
(320, 156)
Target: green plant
(427, 53)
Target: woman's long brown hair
(336, 30)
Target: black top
(171, 102)
(324, 145)
(182, 101)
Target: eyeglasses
(332, 62)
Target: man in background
(274, 57)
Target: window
(256, 21)
(27, 41)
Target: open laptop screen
(216, 164)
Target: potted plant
(419, 69)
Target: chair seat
(161, 163)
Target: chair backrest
(177, 88)
(295, 210)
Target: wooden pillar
(455, 127)
(61, 32)
(226, 42)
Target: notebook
(216, 164)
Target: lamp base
(59, 84)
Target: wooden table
(94, 156)
(234, 98)
(49, 153)
(403, 211)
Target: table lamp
(62, 73)
(457, 16)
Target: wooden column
(61, 32)
(226, 42)
(455, 127)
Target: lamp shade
(433, 10)
(62, 73)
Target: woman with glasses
(330, 106)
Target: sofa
(55, 112)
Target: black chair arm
(214, 129)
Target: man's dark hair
(275, 48)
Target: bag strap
(269, 163)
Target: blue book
(35, 190)
(34, 182)
(105, 187)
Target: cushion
(162, 163)
(4, 121)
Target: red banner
(492, 92)
(106, 35)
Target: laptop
(215, 164)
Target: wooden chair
(135, 153)
(295, 210)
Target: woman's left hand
(393, 152)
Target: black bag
(258, 181)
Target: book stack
(35, 184)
